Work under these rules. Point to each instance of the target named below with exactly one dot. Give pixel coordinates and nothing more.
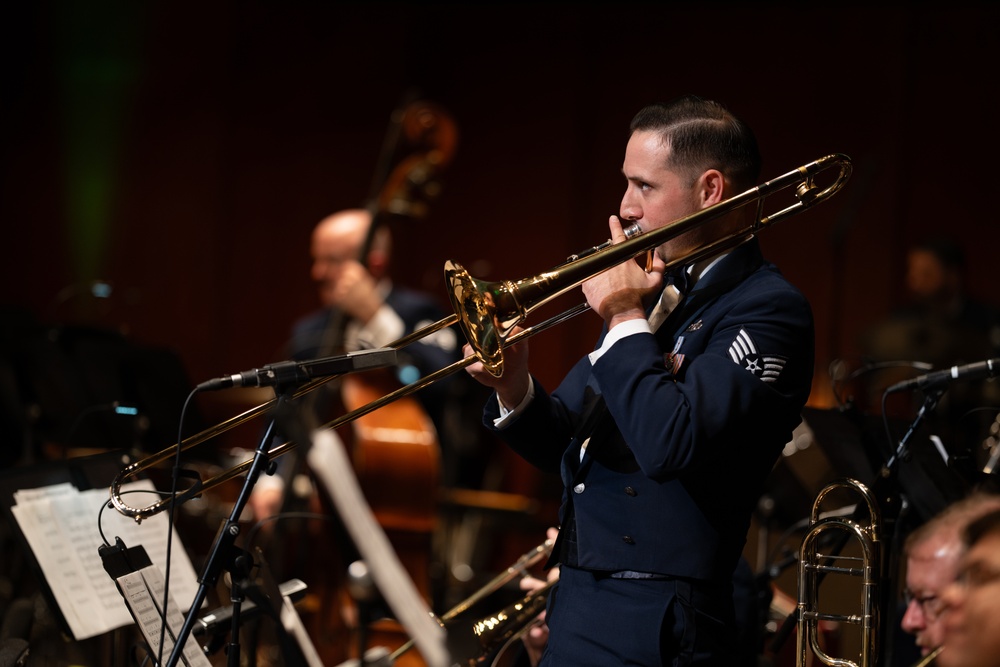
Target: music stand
(85, 473)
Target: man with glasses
(933, 553)
(972, 602)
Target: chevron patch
(744, 353)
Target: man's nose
(628, 209)
(913, 617)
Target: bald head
(341, 235)
(337, 242)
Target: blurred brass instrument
(928, 659)
(469, 642)
(499, 630)
(813, 565)
(489, 311)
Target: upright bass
(395, 449)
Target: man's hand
(513, 383)
(618, 294)
(356, 292)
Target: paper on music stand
(328, 460)
(59, 523)
(143, 592)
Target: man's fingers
(615, 225)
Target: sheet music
(60, 524)
(143, 592)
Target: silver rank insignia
(744, 353)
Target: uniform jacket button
(630, 491)
(627, 539)
(579, 488)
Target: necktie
(680, 278)
(677, 284)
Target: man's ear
(380, 252)
(378, 263)
(711, 187)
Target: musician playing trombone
(664, 434)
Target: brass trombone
(867, 566)
(489, 311)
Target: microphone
(981, 370)
(294, 372)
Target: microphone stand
(283, 376)
(224, 554)
(888, 619)
(931, 398)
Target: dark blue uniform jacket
(696, 416)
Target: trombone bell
(475, 304)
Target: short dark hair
(704, 135)
(984, 525)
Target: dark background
(183, 151)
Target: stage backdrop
(183, 151)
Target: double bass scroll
(430, 136)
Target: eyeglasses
(975, 575)
(930, 605)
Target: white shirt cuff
(623, 330)
(508, 415)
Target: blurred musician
(362, 309)
(972, 625)
(933, 553)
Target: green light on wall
(97, 59)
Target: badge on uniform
(744, 353)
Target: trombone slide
(813, 566)
(488, 311)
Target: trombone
(813, 565)
(488, 311)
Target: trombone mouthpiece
(632, 230)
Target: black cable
(889, 438)
(170, 525)
(252, 533)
